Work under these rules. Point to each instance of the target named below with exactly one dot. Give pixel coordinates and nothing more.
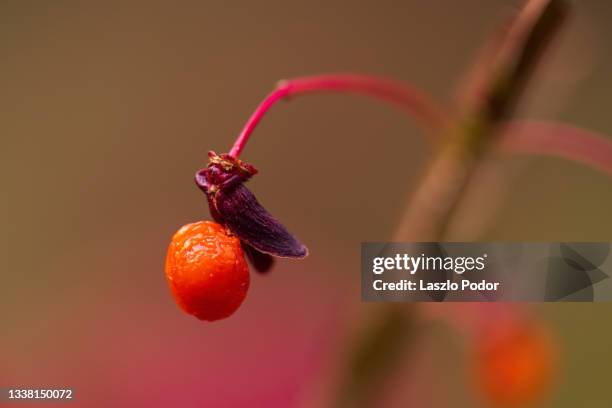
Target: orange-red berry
(206, 270)
(515, 363)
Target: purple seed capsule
(260, 261)
(235, 206)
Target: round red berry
(515, 363)
(206, 270)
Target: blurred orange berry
(515, 363)
(206, 270)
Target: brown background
(108, 108)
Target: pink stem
(400, 94)
(560, 140)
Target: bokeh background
(108, 108)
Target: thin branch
(557, 140)
(406, 97)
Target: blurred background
(108, 108)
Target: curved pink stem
(397, 93)
(560, 140)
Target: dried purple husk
(260, 261)
(235, 206)
(246, 218)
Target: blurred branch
(375, 357)
(558, 140)
(442, 188)
(437, 197)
